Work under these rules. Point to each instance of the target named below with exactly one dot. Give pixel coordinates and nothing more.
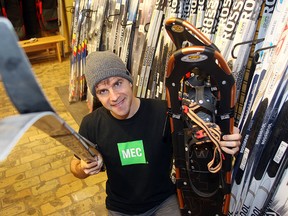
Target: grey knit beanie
(101, 65)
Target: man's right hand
(92, 167)
(82, 169)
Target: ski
(76, 24)
(273, 33)
(30, 101)
(149, 48)
(264, 133)
(193, 12)
(230, 28)
(174, 9)
(96, 26)
(211, 18)
(242, 170)
(121, 27)
(115, 18)
(201, 8)
(223, 17)
(129, 29)
(154, 89)
(107, 25)
(265, 20)
(185, 9)
(245, 32)
(79, 46)
(156, 70)
(278, 203)
(96, 13)
(151, 54)
(82, 49)
(269, 166)
(142, 23)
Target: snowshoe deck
(201, 97)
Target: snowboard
(29, 99)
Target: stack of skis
(241, 29)
(134, 30)
(260, 176)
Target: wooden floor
(35, 179)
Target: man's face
(116, 95)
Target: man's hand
(92, 167)
(82, 169)
(231, 142)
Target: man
(134, 139)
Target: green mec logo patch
(132, 153)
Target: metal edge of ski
(27, 96)
(12, 128)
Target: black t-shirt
(137, 153)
